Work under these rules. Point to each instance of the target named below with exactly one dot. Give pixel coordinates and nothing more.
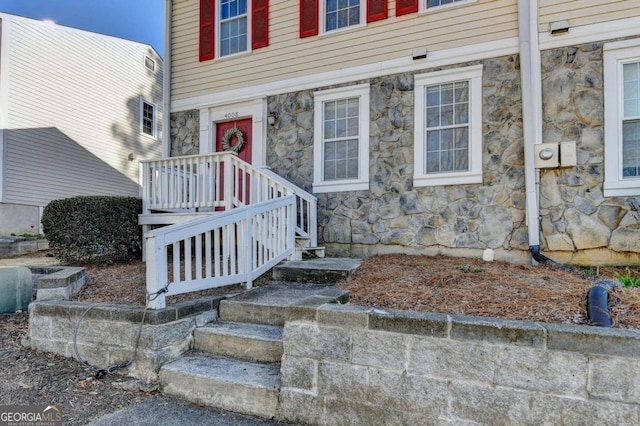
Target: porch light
(271, 118)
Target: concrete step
(228, 384)
(321, 271)
(251, 342)
(279, 302)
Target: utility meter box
(568, 156)
(546, 155)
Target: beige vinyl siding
(73, 113)
(584, 12)
(288, 56)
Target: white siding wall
(289, 56)
(71, 105)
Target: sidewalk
(167, 411)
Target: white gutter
(531, 76)
(166, 83)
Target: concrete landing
(279, 302)
(321, 271)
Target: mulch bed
(445, 284)
(452, 285)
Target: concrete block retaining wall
(107, 333)
(58, 282)
(357, 365)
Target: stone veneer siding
(185, 133)
(578, 224)
(356, 365)
(393, 213)
(577, 220)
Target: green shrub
(94, 229)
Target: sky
(137, 20)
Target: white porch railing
(220, 181)
(231, 247)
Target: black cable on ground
(102, 372)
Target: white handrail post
(228, 182)
(156, 271)
(291, 227)
(249, 247)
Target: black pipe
(598, 304)
(539, 257)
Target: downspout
(531, 88)
(166, 83)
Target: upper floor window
(233, 26)
(622, 118)
(341, 14)
(228, 27)
(404, 7)
(341, 139)
(147, 118)
(448, 127)
(324, 16)
(437, 3)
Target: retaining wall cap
(569, 337)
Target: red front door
(225, 128)
(227, 140)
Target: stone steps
(250, 342)
(237, 366)
(225, 383)
(280, 302)
(319, 271)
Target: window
(341, 14)
(229, 27)
(448, 127)
(147, 119)
(232, 26)
(437, 3)
(404, 7)
(341, 139)
(622, 118)
(325, 16)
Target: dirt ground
(436, 284)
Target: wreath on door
(228, 136)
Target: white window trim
(218, 33)
(474, 75)
(425, 9)
(155, 119)
(322, 17)
(362, 183)
(615, 55)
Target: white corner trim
(437, 58)
(5, 37)
(1, 164)
(590, 33)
